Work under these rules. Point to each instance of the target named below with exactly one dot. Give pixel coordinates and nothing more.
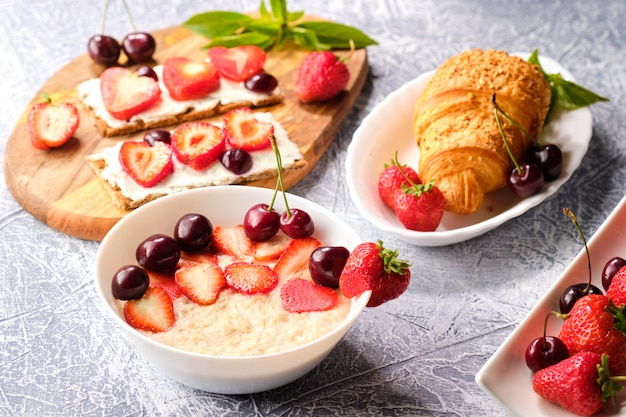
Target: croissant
(455, 127)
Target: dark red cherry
(159, 253)
(298, 224)
(526, 181)
(549, 158)
(545, 351)
(157, 135)
(260, 222)
(146, 71)
(610, 269)
(261, 83)
(326, 264)
(103, 49)
(129, 282)
(236, 160)
(574, 292)
(193, 232)
(139, 47)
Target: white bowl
(225, 206)
(388, 129)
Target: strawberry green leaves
(274, 27)
(566, 94)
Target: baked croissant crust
(460, 145)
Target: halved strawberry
(294, 262)
(300, 295)
(249, 278)
(238, 63)
(126, 94)
(164, 281)
(232, 241)
(200, 282)
(153, 312)
(51, 125)
(147, 165)
(197, 144)
(189, 80)
(202, 256)
(243, 130)
(271, 248)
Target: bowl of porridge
(241, 342)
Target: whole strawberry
(321, 76)
(595, 324)
(617, 290)
(420, 207)
(580, 384)
(393, 177)
(371, 266)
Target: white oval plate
(505, 376)
(388, 128)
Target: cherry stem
(279, 182)
(506, 142)
(515, 123)
(571, 215)
(104, 16)
(130, 17)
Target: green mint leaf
(279, 9)
(308, 39)
(217, 23)
(247, 38)
(265, 14)
(533, 59)
(294, 16)
(337, 35)
(270, 28)
(570, 95)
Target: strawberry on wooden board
(197, 144)
(239, 62)
(249, 278)
(200, 282)
(232, 241)
(153, 312)
(371, 266)
(393, 177)
(126, 94)
(420, 207)
(321, 76)
(617, 289)
(294, 262)
(51, 125)
(244, 131)
(189, 80)
(593, 324)
(147, 165)
(299, 295)
(581, 384)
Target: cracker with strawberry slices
(121, 101)
(187, 164)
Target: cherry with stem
(545, 350)
(138, 46)
(572, 293)
(103, 49)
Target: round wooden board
(57, 186)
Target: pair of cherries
(105, 50)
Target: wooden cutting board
(58, 188)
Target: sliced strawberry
(147, 165)
(300, 295)
(200, 282)
(271, 248)
(51, 125)
(164, 281)
(202, 256)
(243, 130)
(249, 278)
(232, 241)
(238, 63)
(197, 144)
(189, 80)
(294, 262)
(126, 94)
(153, 312)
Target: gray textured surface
(416, 356)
